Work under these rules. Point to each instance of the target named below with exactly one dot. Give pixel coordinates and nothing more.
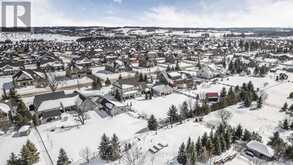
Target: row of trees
(109, 149)
(28, 155)
(215, 143)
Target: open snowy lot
(158, 106)
(74, 139)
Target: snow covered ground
(158, 106)
(265, 121)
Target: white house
(162, 90)
(260, 150)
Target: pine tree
(285, 124)
(173, 114)
(181, 158)
(217, 145)
(23, 116)
(152, 123)
(204, 139)
(13, 160)
(62, 158)
(33, 151)
(105, 148)
(246, 135)
(107, 82)
(26, 155)
(210, 147)
(238, 133)
(199, 148)
(115, 148)
(285, 107)
(184, 111)
(223, 144)
(259, 102)
(228, 138)
(29, 153)
(247, 100)
(118, 95)
(223, 92)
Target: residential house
(162, 89)
(128, 88)
(260, 150)
(25, 78)
(50, 106)
(176, 79)
(212, 97)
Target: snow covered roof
(55, 104)
(24, 128)
(261, 148)
(4, 108)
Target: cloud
(207, 13)
(256, 13)
(118, 1)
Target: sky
(164, 13)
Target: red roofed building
(212, 96)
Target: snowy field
(158, 106)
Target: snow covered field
(265, 121)
(158, 106)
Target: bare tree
(52, 82)
(81, 112)
(134, 156)
(225, 116)
(86, 154)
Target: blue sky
(175, 13)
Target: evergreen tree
(223, 92)
(173, 114)
(152, 123)
(181, 158)
(285, 107)
(23, 116)
(184, 111)
(285, 124)
(223, 144)
(238, 133)
(115, 148)
(209, 146)
(217, 145)
(118, 95)
(13, 160)
(29, 153)
(259, 102)
(62, 158)
(204, 139)
(105, 148)
(247, 100)
(107, 82)
(246, 135)
(291, 95)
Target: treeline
(246, 93)
(213, 144)
(238, 66)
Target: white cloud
(118, 1)
(256, 13)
